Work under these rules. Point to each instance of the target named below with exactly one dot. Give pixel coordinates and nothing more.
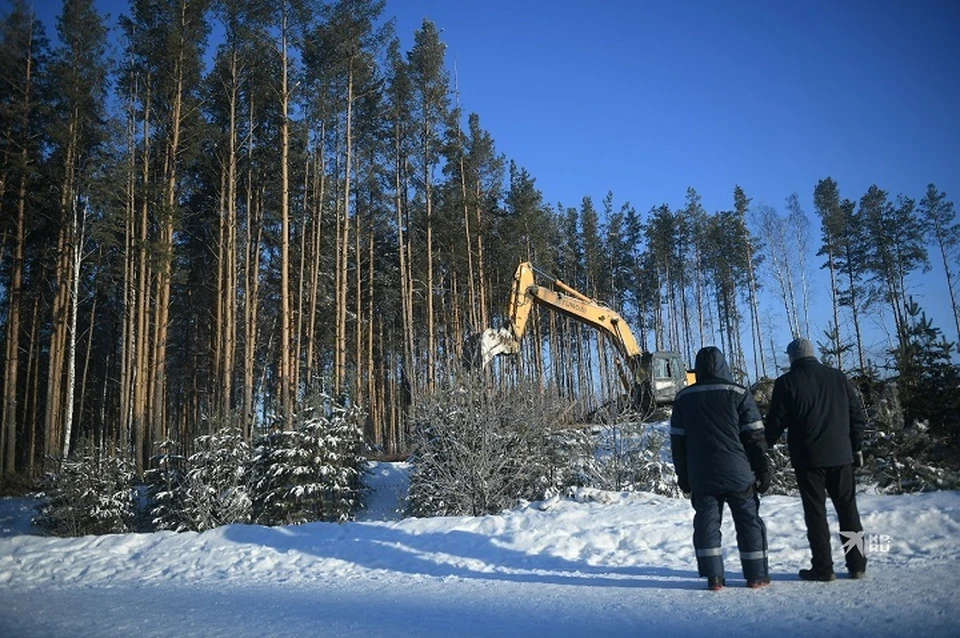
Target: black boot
(820, 576)
(716, 583)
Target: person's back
(719, 454)
(816, 405)
(823, 416)
(714, 413)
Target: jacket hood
(710, 364)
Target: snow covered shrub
(90, 494)
(215, 491)
(313, 472)
(166, 488)
(632, 455)
(479, 450)
(783, 480)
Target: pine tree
(79, 88)
(399, 98)
(927, 378)
(751, 257)
(215, 488)
(23, 58)
(942, 227)
(659, 260)
(165, 45)
(689, 268)
(310, 473)
(844, 248)
(430, 84)
(893, 249)
(91, 493)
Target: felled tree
(901, 454)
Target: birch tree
(798, 228)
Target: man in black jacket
(720, 455)
(823, 416)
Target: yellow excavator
(651, 378)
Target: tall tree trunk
(85, 376)
(76, 256)
(835, 303)
(32, 409)
(343, 245)
(158, 410)
(407, 381)
(251, 296)
(302, 277)
(373, 378)
(286, 372)
(142, 374)
(128, 347)
(361, 319)
(8, 416)
(12, 353)
(318, 190)
(230, 252)
(951, 290)
(855, 313)
(62, 352)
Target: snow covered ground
(595, 564)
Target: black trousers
(837, 482)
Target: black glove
(858, 459)
(684, 484)
(763, 481)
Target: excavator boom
(660, 375)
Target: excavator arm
(660, 373)
(560, 298)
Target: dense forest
(196, 231)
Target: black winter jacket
(716, 433)
(822, 413)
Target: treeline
(193, 230)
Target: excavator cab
(668, 375)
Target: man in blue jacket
(823, 416)
(720, 455)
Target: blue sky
(646, 99)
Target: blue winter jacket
(716, 432)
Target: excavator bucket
(495, 342)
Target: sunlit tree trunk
(286, 367)
(251, 297)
